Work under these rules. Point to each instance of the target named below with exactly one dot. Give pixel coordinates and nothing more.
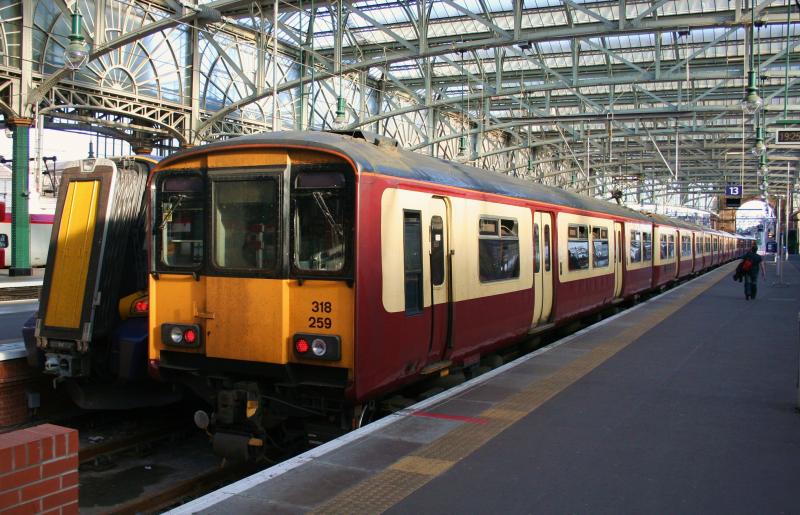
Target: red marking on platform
(458, 418)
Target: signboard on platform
(787, 137)
(733, 201)
(734, 190)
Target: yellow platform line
(380, 492)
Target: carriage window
(662, 239)
(578, 247)
(716, 244)
(412, 261)
(686, 245)
(245, 224)
(671, 246)
(599, 247)
(547, 248)
(647, 246)
(182, 213)
(636, 247)
(437, 251)
(708, 244)
(498, 249)
(536, 257)
(319, 207)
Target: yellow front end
(252, 320)
(250, 247)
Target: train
(308, 274)
(90, 333)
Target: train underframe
(258, 408)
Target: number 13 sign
(733, 191)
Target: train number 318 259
(320, 322)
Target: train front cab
(251, 277)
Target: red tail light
(301, 346)
(190, 336)
(141, 305)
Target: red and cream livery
(309, 273)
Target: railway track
(19, 293)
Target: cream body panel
(667, 231)
(641, 227)
(564, 221)
(463, 242)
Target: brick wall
(15, 376)
(39, 471)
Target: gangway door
(100, 210)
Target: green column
(20, 220)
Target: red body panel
(577, 297)
(662, 274)
(685, 267)
(636, 281)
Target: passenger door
(439, 280)
(542, 268)
(618, 256)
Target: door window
(245, 224)
(547, 248)
(412, 261)
(437, 251)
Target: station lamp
(763, 168)
(752, 101)
(463, 155)
(76, 53)
(759, 149)
(340, 122)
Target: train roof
(381, 155)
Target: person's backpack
(746, 265)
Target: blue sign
(772, 247)
(733, 191)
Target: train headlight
(180, 335)
(319, 347)
(326, 347)
(176, 334)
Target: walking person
(749, 267)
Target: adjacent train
(90, 333)
(309, 273)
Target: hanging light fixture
(763, 168)
(76, 53)
(759, 149)
(463, 154)
(752, 101)
(340, 120)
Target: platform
(685, 403)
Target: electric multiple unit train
(299, 274)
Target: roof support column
(20, 220)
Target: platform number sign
(733, 191)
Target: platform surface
(685, 403)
